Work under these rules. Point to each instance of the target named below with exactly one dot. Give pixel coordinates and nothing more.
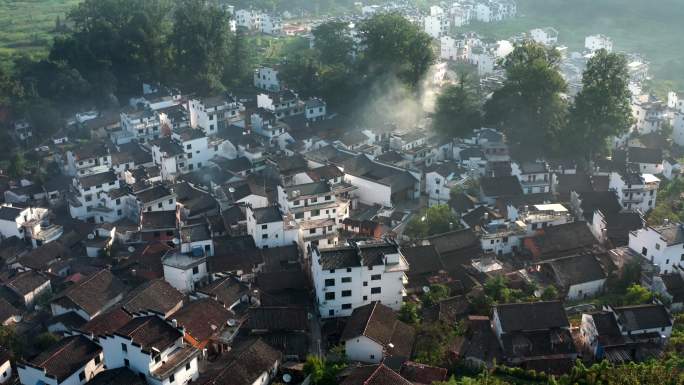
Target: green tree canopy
(602, 108)
(437, 219)
(457, 112)
(529, 107)
(395, 45)
(333, 42)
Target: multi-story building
(318, 208)
(73, 360)
(660, 245)
(214, 113)
(594, 43)
(270, 228)
(141, 124)
(281, 103)
(100, 198)
(635, 191)
(357, 274)
(154, 348)
(534, 177)
(266, 78)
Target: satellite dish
(175, 241)
(426, 289)
(231, 322)
(91, 236)
(287, 378)
(131, 249)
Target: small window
(346, 306)
(81, 376)
(157, 358)
(657, 246)
(264, 236)
(330, 282)
(126, 362)
(330, 296)
(375, 290)
(172, 379)
(187, 366)
(372, 356)
(195, 270)
(97, 359)
(118, 201)
(264, 227)
(188, 147)
(346, 293)
(346, 279)
(171, 201)
(375, 277)
(124, 348)
(299, 215)
(331, 312)
(365, 298)
(159, 205)
(328, 197)
(365, 284)
(295, 203)
(349, 270)
(312, 231)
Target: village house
(90, 297)
(184, 272)
(348, 277)
(373, 335)
(635, 191)
(270, 228)
(661, 246)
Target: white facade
(658, 250)
(279, 233)
(678, 128)
(5, 372)
(370, 192)
(120, 352)
(266, 78)
(545, 36)
(363, 349)
(436, 26)
(29, 375)
(585, 290)
(213, 114)
(635, 193)
(594, 43)
(184, 272)
(339, 291)
(448, 50)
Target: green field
(654, 29)
(27, 26)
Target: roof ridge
(375, 304)
(367, 381)
(58, 351)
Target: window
(172, 379)
(667, 261)
(157, 358)
(119, 212)
(346, 279)
(331, 312)
(187, 366)
(81, 376)
(330, 296)
(349, 270)
(315, 213)
(124, 348)
(644, 251)
(657, 246)
(88, 198)
(189, 155)
(328, 197)
(372, 356)
(346, 306)
(375, 277)
(299, 215)
(365, 298)
(295, 203)
(171, 201)
(365, 283)
(97, 359)
(188, 147)
(195, 270)
(330, 282)
(313, 200)
(346, 293)
(332, 271)
(375, 290)
(159, 205)
(118, 201)
(126, 362)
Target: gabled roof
(605, 201)
(203, 318)
(25, 283)
(379, 323)
(374, 375)
(577, 269)
(247, 362)
(9, 213)
(267, 214)
(157, 295)
(106, 323)
(66, 357)
(94, 293)
(226, 290)
(500, 186)
(150, 332)
(645, 155)
(277, 318)
(561, 239)
(153, 193)
(641, 317)
(117, 376)
(531, 316)
(422, 374)
(158, 220)
(88, 181)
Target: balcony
(49, 233)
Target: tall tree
(334, 42)
(395, 45)
(238, 69)
(457, 112)
(200, 45)
(602, 108)
(530, 106)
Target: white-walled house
(73, 360)
(448, 49)
(440, 179)
(534, 177)
(366, 337)
(594, 43)
(266, 78)
(634, 190)
(5, 366)
(315, 109)
(579, 277)
(662, 246)
(184, 272)
(545, 36)
(352, 276)
(214, 113)
(270, 228)
(154, 348)
(100, 198)
(28, 223)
